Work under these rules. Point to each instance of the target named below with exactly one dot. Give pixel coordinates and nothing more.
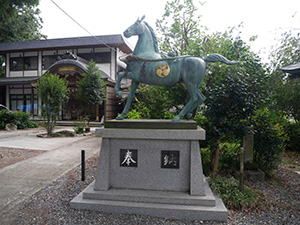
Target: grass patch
(233, 198)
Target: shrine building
(25, 62)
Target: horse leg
(133, 88)
(201, 98)
(117, 86)
(192, 89)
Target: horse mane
(155, 42)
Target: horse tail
(219, 58)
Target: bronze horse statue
(148, 66)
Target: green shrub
(293, 132)
(6, 117)
(79, 129)
(268, 141)
(233, 198)
(205, 156)
(230, 158)
(33, 124)
(133, 114)
(20, 119)
(53, 91)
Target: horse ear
(143, 17)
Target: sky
(265, 18)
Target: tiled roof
(65, 43)
(81, 65)
(294, 68)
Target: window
(26, 63)
(30, 63)
(101, 57)
(21, 99)
(16, 64)
(2, 66)
(20, 103)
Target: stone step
(151, 196)
(176, 211)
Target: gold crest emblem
(162, 70)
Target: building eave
(112, 41)
(293, 68)
(17, 80)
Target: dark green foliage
(205, 156)
(6, 117)
(293, 141)
(23, 122)
(20, 21)
(233, 198)
(268, 141)
(287, 97)
(91, 88)
(227, 106)
(155, 102)
(20, 119)
(230, 158)
(53, 91)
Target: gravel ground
(51, 204)
(9, 156)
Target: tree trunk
(216, 158)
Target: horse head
(135, 29)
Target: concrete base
(163, 177)
(178, 205)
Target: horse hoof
(188, 116)
(176, 119)
(120, 117)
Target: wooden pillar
(32, 102)
(97, 113)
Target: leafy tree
(269, 139)
(53, 91)
(226, 110)
(287, 96)
(286, 91)
(179, 37)
(286, 52)
(91, 88)
(8, 7)
(19, 21)
(233, 92)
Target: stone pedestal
(148, 169)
